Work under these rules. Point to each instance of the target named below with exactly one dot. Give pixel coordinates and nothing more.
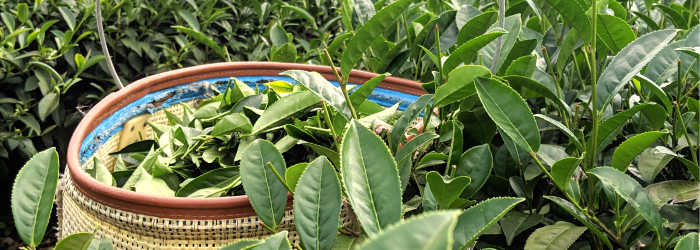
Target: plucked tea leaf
(211, 183)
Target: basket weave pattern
(128, 230)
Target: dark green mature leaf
(467, 51)
(652, 160)
(286, 53)
(477, 219)
(211, 183)
(460, 85)
(389, 57)
(332, 155)
(523, 66)
(520, 49)
(235, 122)
(632, 147)
(426, 231)
(515, 222)
(614, 32)
(518, 122)
(446, 190)
(478, 124)
(692, 167)
(676, 18)
(688, 242)
(573, 13)
(475, 163)
(610, 127)
(409, 115)
(476, 26)
(317, 202)
(566, 205)
(563, 169)
(664, 64)
(199, 37)
(631, 192)
(322, 88)
(528, 83)
(370, 178)
(572, 137)
(76, 241)
(628, 63)
(48, 104)
(303, 13)
(32, 196)
(361, 94)
(369, 32)
(292, 105)
(656, 90)
(677, 190)
(403, 156)
(513, 26)
(554, 237)
(266, 193)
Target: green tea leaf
(631, 192)
(572, 137)
(235, 122)
(286, 53)
(539, 88)
(293, 174)
(628, 63)
(47, 105)
(688, 242)
(655, 89)
(475, 163)
(332, 155)
(426, 231)
(476, 26)
(610, 127)
(460, 85)
(76, 241)
(676, 18)
(211, 183)
(368, 33)
(566, 205)
(292, 105)
(201, 38)
(563, 169)
(632, 147)
(573, 13)
(317, 201)
(33, 193)
(515, 222)
(68, 16)
(518, 123)
(614, 32)
(153, 185)
(677, 190)
(553, 237)
(477, 219)
(190, 19)
(361, 94)
(266, 193)
(446, 190)
(512, 25)
(370, 178)
(101, 173)
(523, 66)
(406, 119)
(278, 241)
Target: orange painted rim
(180, 207)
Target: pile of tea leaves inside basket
(199, 154)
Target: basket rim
(182, 207)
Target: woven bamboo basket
(139, 221)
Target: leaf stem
(594, 106)
(326, 116)
(268, 227)
(673, 235)
(439, 62)
(685, 132)
(279, 177)
(342, 82)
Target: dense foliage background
(52, 71)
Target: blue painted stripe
(198, 90)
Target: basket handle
(103, 42)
